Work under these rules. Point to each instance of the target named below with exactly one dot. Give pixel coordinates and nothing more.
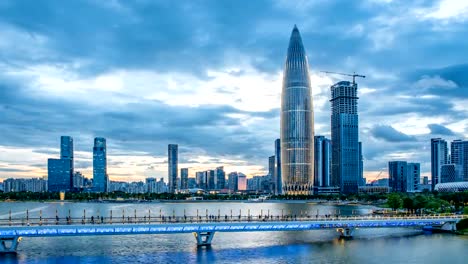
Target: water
(322, 246)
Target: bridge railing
(149, 219)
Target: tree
(420, 202)
(408, 204)
(394, 201)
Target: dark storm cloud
(437, 129)
(390, 134)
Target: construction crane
(354, 75)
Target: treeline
(429, 202)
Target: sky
(207, 75)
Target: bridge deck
(176, 226)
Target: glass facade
(220, 178)
(184, 178)
(346, 165)
(172, 151)
(278, 181)
(322, 161)
(100, 179)
(297, 122)
(439, 157)
(58, 171)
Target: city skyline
(220, 103)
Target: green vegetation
(394, 201)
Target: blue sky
(207, 75)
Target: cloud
(390, 134)
(437, 129)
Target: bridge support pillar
(9, 244)
(204, 238)
(346, 232)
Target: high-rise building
(100, 178)
(233, 181)
(184, 178)
(322, 161)
(450, 173)
(398, 175)
(60, 171)
(201, 179)
(459, 157)
(78, 180)
(345, 137)
(278, 180)
(361, 165)
(211, 179)
(404, 176)
(413, 177)
(241, 182)
(439, 157)
(172, 152)
(220, 179)
(58, 175)
(297, 121)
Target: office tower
(58, 175)
(459, 157)
(66, 152)
(184, 178)
(78, 180)
(345, 137)
(278, 181)
(425, 180)
(322, 157)
(297, 121)
(361, 165)
(220, 179)
(450, 173)
(398, 175)
(413, 177)
(241, 182)
(192, 183)
(60, 171)
(271, 174)
(439, 157)
(172, 152)
(100, 178)
(210, 174)
(201, 179)
(150, 185)
(233, 181)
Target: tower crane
(354, 75)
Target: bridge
(204, 227)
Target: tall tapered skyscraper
(297, 121)
(100, 179)
(173, 161)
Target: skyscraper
(100, 179)
(60, 171)
(397, 175)
(413, 177)
(184, 178)
(459, 157)
(345, 137)
(322, 161)
(172, 152)
(220, 179)
(297, 121)
(211, 179)
(278, 181)
(439, 157)
(361, 165)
